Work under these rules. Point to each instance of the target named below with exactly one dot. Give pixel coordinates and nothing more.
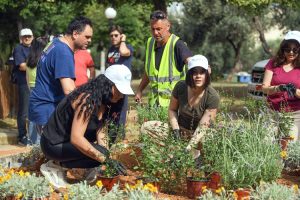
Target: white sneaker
(54, 174)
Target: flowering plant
(84, 191)
(141, 191)
(24, 185)
(166, 162)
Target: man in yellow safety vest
(166, 56)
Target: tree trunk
(160, 5)
(260, 30)
(237, 60)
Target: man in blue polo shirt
(20, 54)
(56, 70)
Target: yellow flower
(21, 173)
(99, 184)
(283, 154)
(27, 173)
(292, 136)
(51, 188)
(19, 195)
(296, 188)
(235, 196)
(150, 187)
(204, 189)
(66, 197)
(218, 191)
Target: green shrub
(243, 151)
(274, 190)
(146, 113)
(167, 163)
(293, 155)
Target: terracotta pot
(194, 187)
(215, 180)
(108, 182)
(284, 142)
(242, 194)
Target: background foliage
(226, 31)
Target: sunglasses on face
(157, 15)
(114, 35)
(289, 50)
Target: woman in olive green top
(193, 107)
(194, 103)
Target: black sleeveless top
(59, 125)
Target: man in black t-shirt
(165, 72)
(120, 52)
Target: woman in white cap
(73, 136)
(282, 79)
(192, 108)
(194, 103)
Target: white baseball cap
(120, 75)
(25, 31)
(198, 61)
(292, 35)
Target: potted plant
(292, 159)
(196, 182)
(108, 175)
(285, 128)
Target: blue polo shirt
(20, 55)
(57, 61)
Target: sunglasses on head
(289, 50)
(158, 15)
(114, 35)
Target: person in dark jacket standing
(20, 54)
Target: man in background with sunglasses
(120, 52)
(166, 56)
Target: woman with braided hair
(73, 136)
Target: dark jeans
(23, 92)
(68, 155)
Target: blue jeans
(23, 92)
(33, 134)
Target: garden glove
(120, 168)
(197, 136)
(103, 150)
(289, 88)
(176, 134)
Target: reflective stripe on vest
(162, 81)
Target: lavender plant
(276, 191)
(243, 151)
